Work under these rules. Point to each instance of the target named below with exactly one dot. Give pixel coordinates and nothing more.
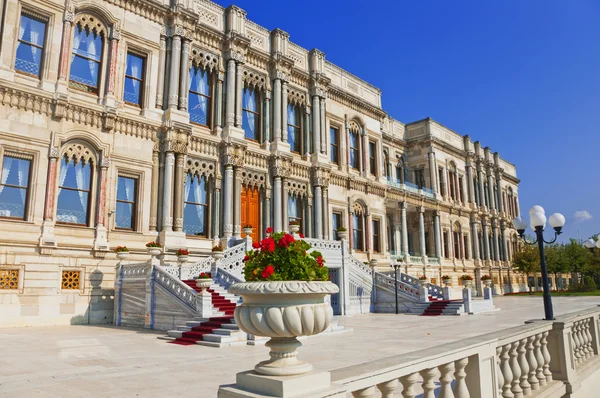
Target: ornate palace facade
(181, 121)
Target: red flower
(268, 271)
(246, 258)
(268, 245)
(302, 236)
(256, 245)
(286, 240)
(269, 230)
(320, 261)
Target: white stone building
(124, 122)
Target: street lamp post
(538, 223)
(395, 264)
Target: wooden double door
(250, 209)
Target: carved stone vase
(283, 310)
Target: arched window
(388, 166)
(86, 61)
(199, 102)
(74, 189)
(251, 113)
(400, 172)
(354, 145)
(294, 121)
(453, 181)
(511, 209)
(295, 210)
(195, 206)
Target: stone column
(397, 238)
(306, 132)
(475, 241)
(184, 76)
(154, 191)
(318, 201)
(168, 191)
(216, 214)
(237, 195)
(470, 181)
(436, 233)
(504, 241)
(481, 186)
(285, 197)
(316, 124)
(368, 231)
(323, 123)
(218, 108)
(277, 109)
(326, 229)
(491, 188)
(365, 153)
(267, 118)
(499, 205)
(112, 67)
(230, 104)
(51, 184)
(284, 111)
(422, 249)
(65, 47)
(486, 240)
(463, 248)
(277, 188)
(178, 192)
(404, 231)
(432, 170)
(496, 247)
(174, 72)
(162, 59)
(239, 88)
(227, 202)
(267, 209)
(309, 223)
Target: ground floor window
(195, 206)
(336, 222)
(357, 232)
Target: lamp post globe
(590, 244)
(557, 221)
(598, 244)
(538, 220)
(520, 225)
(536, 209)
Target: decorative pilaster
(227, 202)
(184, 76)
(323, 123)
(490, 179)
(470, 181)
(174, 72)
(112, 68)
(267, 118)
(65, 47)
(495, 237)
(316, 125)
(178, 194)
(101, 242)
(162, 59)
(218, 108)
(239, 88)
(216, 214)
(51, 184)
(237, 195)
(436, 233)
(432, 170)
(422, 247)
(475, 240)
(277, 109)
(277, 204)
(481, 185)
(154, 190)
(486, 240)
(230, 104)
(318, 201)
(167, 221)
(284, 110)
(404, 222)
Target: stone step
(222, 338)
(225, 332)
(230, 326)
(175, 333)
(215, 344)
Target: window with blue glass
(199, 105)
(357, 232)
(354, 149)
(251, 114)
(30, 45)
(295, 210)
(87, 59)
(134, 80)
(74, 186)
(293, 126)
(126, 206)
(334, 142)
(336, 218)
(14, 187)
(195, 206)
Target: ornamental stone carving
(254, 79)
(204, 59)
(105, 163)
(236, 55)
(296, 97)
(253, 179)
(54, 152)
(69, 16)
(200, 168)
(175, 146)
(233, 155)
(321, 177)
(79, 153)
(280, 167)
(296, 188)
(283, 287)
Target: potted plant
(423, 280)
(122, 252)
(183, 255)
(342, 233)
(487, 280)
(154, 248)
(373, 262)
(247, 229)
(466, 280)
(283, 298)
(294, 227)
(446, 279)
(204, 280)
(217, 252)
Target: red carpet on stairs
(436, 307)
(220, 303)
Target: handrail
(196, 269)
(176, 287)
(233, 260)
(386, 282)
(225, 279)
(432, 290)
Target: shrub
(341, 229)
(446, 277)
(588, 285)
(204, 275)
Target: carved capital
(115, 34)
(105, 163)
(54, 152)
(321, 177)
(280, 167)
(236, 55)
(233, 155)
(69, 16)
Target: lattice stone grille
(9, 278)
(71, 280)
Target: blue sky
(522, 77)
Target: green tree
(579, 258)
(556, 260)
(527, 260)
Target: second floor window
(336, 219)
(372, 158)
(251, 115)
(74, 187)
(195, 206)
(334, 154)
(420, 178)
(134, 80)
(199, 96)
(295, 210)
(376, 236)
(354, 149)
(14, 187)
(293, 127)
(125, 211)
(87, 59)
(461, 193)
(30, 45)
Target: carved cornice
(148, 9)
(355, 103)
(320, 177)
(280, 166)
(232, 154)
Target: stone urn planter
(247, 231)
(342, 235)
(487, 282)
(154, 251)
(183, 259)
(423, 282)
(122, 255)
(204, 283)
(446, 281)
(217, 255)
(373, 263)
(283, 310)
(465, 282)
(294, 229)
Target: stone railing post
(204, 304)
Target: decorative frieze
(204, 59)
(200, 168)
(280, 167)
(320, 177)
(254, 179)
(254, 79)
(232, 155)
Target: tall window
(87, 59)
(336, 218)
(357, 232)
(387, 167)
(295, 210)
(293, 126)
(420, 178)
(372, 158)
(442, 180)
(14, 187)
(134, 80)
(354, 149)
(446, 245)
(126, 207)
(199, 96)
(460, 190)
(74, 187)
(30, 45)
(452, 182)
(376, 236)
(486, 194)
(195, 206)
(250, 114)
(457, 253)
(466, 245)
(334, 154)
(400, 173)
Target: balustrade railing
(176, 287)
(433, 260)
(194, 270)
(415, 259)
(233, 260)
(386, 282)
(225, 279)
(360, 283)
(433, 290)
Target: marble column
(237, 194)
(230, 98)
(422, 246)
(227, 202)
(168, 191)
(463, 252)
(285, 198)
(277, 110)
(51, 185)
(470, 181)
(504, 241)
(174, 75)
(432, 171)
(365, 153)
(436, 233)
(475, 241)
(218, 108)
(284, 111)
(267, 118)
(316, 124)
(404, 230)
(368, 231)
(490, 179)
(65, 48)
(216, 214)
(178, 192)
(326, 229)
(499, 205)
(277, 203)
(486, 240)
(267, 210)
(318, 202)
(162, 59)
(239, 88)
(481, 186)
(154, 191)
(103, 177)
(184, 76)
(323, 123)
(495, 238)
(112, 67)
(397, 238)
(309, 223)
